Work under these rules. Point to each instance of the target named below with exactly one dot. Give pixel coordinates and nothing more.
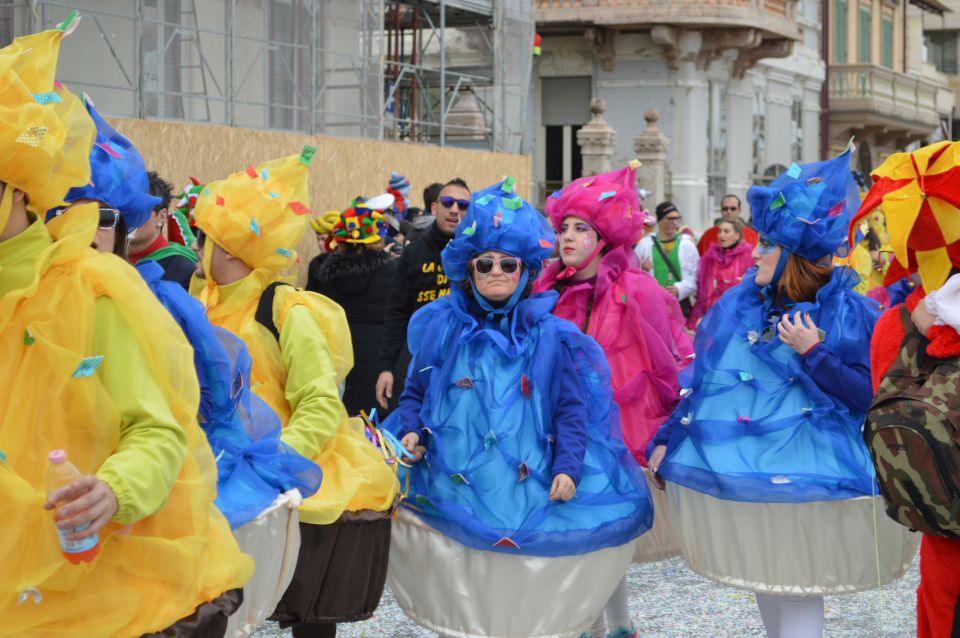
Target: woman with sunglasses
(769, 482)
(521, 491)
(260, 480)
(721, 267)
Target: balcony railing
(775, 16)
(867, 90)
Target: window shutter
(866, 43)
(840, 39)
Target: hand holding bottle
(86, 501)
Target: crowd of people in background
(494, 408)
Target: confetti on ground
(667, 600)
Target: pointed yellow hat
(45, 132)
(260, 214)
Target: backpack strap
(905, 319)
(264, 315)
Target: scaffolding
(442, 72)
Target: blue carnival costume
(769, 428)
(505, 397)
(254, 467)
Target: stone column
(689, 164)
(650, 147)
(739, 105)
(597, 140)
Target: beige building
(737, 84)
(882, 89)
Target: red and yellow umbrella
(920, 196)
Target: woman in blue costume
(770, 485)
(522, 489)
(260, 479)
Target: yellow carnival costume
(259, 215)
(81, 374)
(871, 273)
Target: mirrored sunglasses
(484, 265)
(448, 202)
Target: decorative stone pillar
(650, 147)
(689, 164)
(597, 140)
(739, 105)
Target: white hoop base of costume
(273, 540)
(800, 549)
(461, 592)
(660, 543)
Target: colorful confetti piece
(513, 203)
(47, 98)
(298, 208)
(87, 366)
(471, 229)
(794, 171)
(32, 136)
(605, 195)
(508, 185)
(286, 252)
(254, 227)
(506, 542)
(109, 150)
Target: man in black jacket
(419, 280)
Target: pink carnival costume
(720, 270)
(637, 323)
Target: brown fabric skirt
(340, 572)
(208, 621)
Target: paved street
(669, 601)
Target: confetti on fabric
(525, 385)
(745, 376)
(47, 98)
(286, 252)
(523, 472)
(497, 219)
(28, 339)
(794, 171)
(556, 194)
(33, 135)
(777, 202)
(109, 150)
(273, 194)
(459, 479)
(605, 195)
(298, 208)
(506, 542)
(513, 203)
(489, 440)
(252, 172)
(545, 244)
(306, 155)
(465, 383)
(471, 229)
(485, 199)
(87, 366)
(220, 200)
(254, 227)
(508, 185)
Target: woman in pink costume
(637, 323)
(721, 268)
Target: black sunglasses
(730, 208)
(448, 202)
(508, 265)
(109, 218)
(201, 238)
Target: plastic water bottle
(60, 474)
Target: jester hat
(498, 219)
(919, 193)
(118, 176)
(807, 209)
(359, 225)
(45, 133)
(608, 202)
(259, 214)
(181, 224)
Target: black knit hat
(664, 209)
